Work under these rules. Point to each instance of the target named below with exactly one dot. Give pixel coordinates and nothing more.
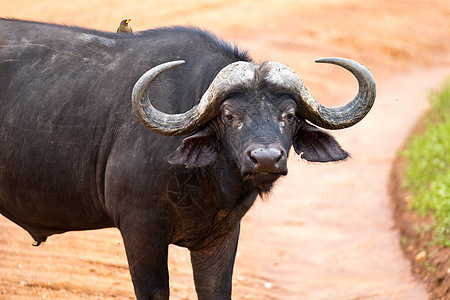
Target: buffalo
(168, 134)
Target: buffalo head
(252, 114)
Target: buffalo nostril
(252, 158)
(267, 160)
(280, 156)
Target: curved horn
(330, 117)
(179, 124)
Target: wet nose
(270, 159)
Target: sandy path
(327, 231)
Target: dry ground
(327, 232)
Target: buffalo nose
(266, 159)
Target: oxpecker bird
(124, 28)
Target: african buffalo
(213, 130)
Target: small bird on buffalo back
(124, 28)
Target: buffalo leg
(213, 267)
(147, 259)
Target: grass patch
(427, 175)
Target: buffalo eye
(290, 117)
(228, 118)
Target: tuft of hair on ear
(197, 150)
(316, 145)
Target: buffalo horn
(322, 116)
(237, 73)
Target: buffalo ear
(197, 150)
(316, 145)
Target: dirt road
(327, 230)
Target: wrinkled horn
(179, 124)
(329, 117)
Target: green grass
(427, 175)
